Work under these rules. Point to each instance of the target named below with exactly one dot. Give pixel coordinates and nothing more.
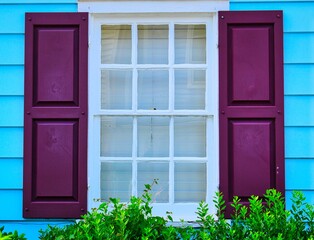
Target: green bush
(11, 236)
(270, 220)
(124, 221)
(259, 221)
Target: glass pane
(116, 45)
(190, 44)
(116, 89)
(116, 181)
(153, 136)
(147, 172)
(153, 93)
(189, 182)
(189, 136)
(153, 44)
(190, 89)
(116, 136)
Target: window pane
(190, 44)
(116, 44)
(189, 182)
(153, 44)
(190, 89)
(147, 172)
(116, 136)
(153, 90)
(116, 181)
(153, 136)
(189, 136)
(116, 89)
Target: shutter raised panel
(251, 123)
(55, 121)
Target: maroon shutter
(250, 104)
(55, 122)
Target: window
(155, 110)
(152, 106)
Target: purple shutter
(250, 104)
(55, 122)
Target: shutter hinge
(217, 45)
(88, 44)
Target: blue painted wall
(11, 109)
(299, 98)
(299, 88)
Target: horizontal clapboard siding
(303, 75)
(299, 142)
(11, 173)
(12, 49)
(30, 2)
(11, 204)
(299, 111)
(30, 227)
(14, 13)
(303, 168)
(11, 80)
(11, 108)
(299, 48)
(11, 142)
(298, 15)
(299, 89)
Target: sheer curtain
(190, 44)
(116, 45)
(153, 89)
(116, 89)
(152, 44)
(153, 142)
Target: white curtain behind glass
(189, 89)
(190, 182)
(116, 136)
(190, 44)
(153, 136)
(189, 136)
(147, 171)
(153, 93)
(116, 89)
(153, 89)
(116, 181)
(116, 46)
(152, 44)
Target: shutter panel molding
(251, 122)
(55, 120)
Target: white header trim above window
(195, 6)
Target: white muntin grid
(180, 210)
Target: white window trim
(120, 12)
(152, 6)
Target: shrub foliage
(11, 235)
(119, 221)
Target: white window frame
(122, 12)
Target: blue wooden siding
(29, 228)
(14, 13)
(11, 108)
(299, 98)
(299, 89)
(303, 74)
(299, 48)
(11, 173)
(11, 80)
